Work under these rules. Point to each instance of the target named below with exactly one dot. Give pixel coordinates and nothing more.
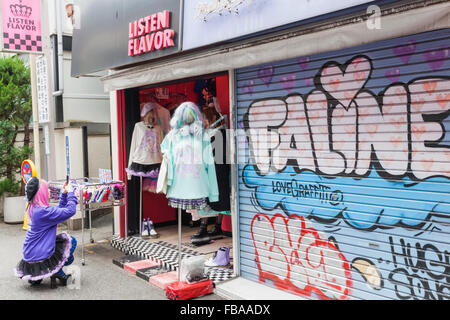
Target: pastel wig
(40, 199)
(187, 113)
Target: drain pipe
(59, 39)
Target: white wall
(60, 154)
(84, 99)
(75, 151)
(114, 152)
(99, 154)
(67, 27)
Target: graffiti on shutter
(360, 161)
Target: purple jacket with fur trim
(41, 234)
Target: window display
(192, 170)
(145, 152)
(191, 174)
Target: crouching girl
(44, 252)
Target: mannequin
(145, 157)
(191, 177)
(145, 152)
(215, 209)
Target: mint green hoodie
(191, 172)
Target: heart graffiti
(343, 82)
(404, 52)
(266, 74)
(436, 58)
(303, 62)
(288, 82)
(393, 74)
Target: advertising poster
(211, 21)
(21, 21)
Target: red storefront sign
(150, 33)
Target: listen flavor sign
(150, 34)
(21, 21)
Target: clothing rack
(93, 195)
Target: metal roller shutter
(344, 181)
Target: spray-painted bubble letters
(342, 128)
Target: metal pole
(34, 104)
(49, 155)
(140, 208)
(234, 174)
(179, 243)
(126, 216)
(90, 226)
(83, 212)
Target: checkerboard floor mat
(146, 273)
(163, 252)
(220, 274)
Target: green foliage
(8, 186)
(15, 113)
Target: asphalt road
(100, 279)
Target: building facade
(339, 118)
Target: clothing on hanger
(145, 152)
(187, 204)
(163, 119)
(222, 170)
(206, 212)
(191, 176)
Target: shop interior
(204, 233)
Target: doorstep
(153, 261)
(243, 289)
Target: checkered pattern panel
(15, 41)
(146, 273)
(175, 247)
(217, 274)
(162, 252)
(166, 254)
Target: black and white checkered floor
(165, 253)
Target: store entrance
(205, 231)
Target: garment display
(223, 171)
(187, 204)
(161, 113)
(206, 212)
(161, 185)
(149, 184)
(163, 119)
(191, 172)
(145, 150)
(101, 193)
(190, 165)
(144, 170)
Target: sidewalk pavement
(100, 278)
